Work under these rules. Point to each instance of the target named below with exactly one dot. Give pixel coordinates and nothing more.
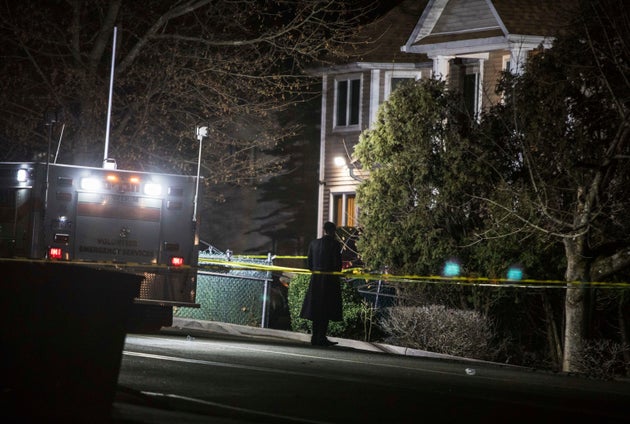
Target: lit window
(344, 210)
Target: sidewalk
(198, 328)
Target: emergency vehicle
(139, 222)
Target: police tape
(356, 274)
(272, 256)
(360, 274)
(102, 264)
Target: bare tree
(569, 116)
(228, 64)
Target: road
(242, 380)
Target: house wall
(341, 142)
(472, 37)
(374, 89)
(492, 72)
(490, 69)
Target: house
(468, 43)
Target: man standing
(322, 302)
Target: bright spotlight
(152, 189)
(90, 184)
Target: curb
(214, 327)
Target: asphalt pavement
(135, 407)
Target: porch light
(339, 161)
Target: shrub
(352, 324)
(603, 359)
(436, 328)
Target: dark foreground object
(62, 335)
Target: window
(344, 212)
(507, 65)
(471, 93)
(397, 81)
(348, 102)
(394, 78)
(467, 76)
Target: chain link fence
(230, 295)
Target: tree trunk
(574, 304)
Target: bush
(603, 359)
(353, 309)
(436, 328)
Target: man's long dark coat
(323, 297)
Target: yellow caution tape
(360, 274)
(108, 264)
(266, 256)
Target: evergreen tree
(431, 171)
(427, 201)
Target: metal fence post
(265, 313)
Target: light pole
(107, 163)
(201, 133)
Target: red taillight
(177, 261)
(55, 253)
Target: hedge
(353, 309)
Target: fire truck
(138, 222)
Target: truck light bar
(152, 189)
(90, 184)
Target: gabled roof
(464, 26)
(429, 27)
(379, 41)
(535, 17)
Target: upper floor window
(347, 101)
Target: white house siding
(337, 179)
(338, 139)
(340, 142)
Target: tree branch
(103, 35)
(185, 8)
(604, 267)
